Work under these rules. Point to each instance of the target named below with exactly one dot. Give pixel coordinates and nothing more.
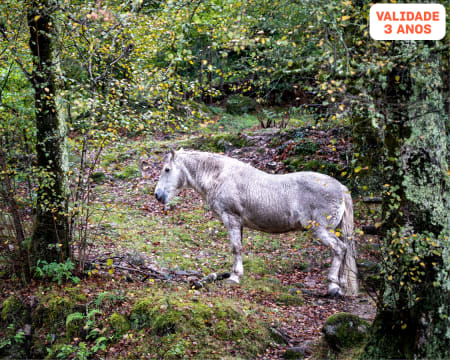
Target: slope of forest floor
(142, 248)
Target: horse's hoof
(335, 291)
(233, 279)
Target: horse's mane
(204, 166)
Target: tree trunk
(50, 240)
(413, 316)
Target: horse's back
(280, 203)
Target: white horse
(240, 195)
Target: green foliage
(220, 143)
(56, 271)
(238, 104)
(119, 323)
(175, 319)
(74, 324)
(128, 172)
(12, 310)
(65, 351)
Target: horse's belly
(274, 223)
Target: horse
(242, 196)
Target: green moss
(220, 143)
(75, 295)
(290, 354)
(168, 322)
(128, 172)
(289, 299)
(119, 323)
(255, 265)
(211, 322)
(13, 310)
(344, 330)
(142, 313)
(53, 310)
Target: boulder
(344, 330)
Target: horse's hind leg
(234, 229)
(338, 249)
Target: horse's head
(171, 180)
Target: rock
(296, 352)
(344, 330)
(279, 336)
(135, 258)
(119, 323)
(294, 291)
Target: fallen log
(372, 199)
(213, 277)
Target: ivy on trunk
(50, 240)
(413, 314)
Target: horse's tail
(349, 271)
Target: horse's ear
(172, 152)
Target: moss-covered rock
(13, 311)
(142, 313)
(173, 320)
(344, 330)
(296, 353)
(53, 310)
(119, 323)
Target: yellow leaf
(390, 277)
(109, 262)
(346, 17)
(337, 233)
(111, 271)
(404, 326)
(397, 78)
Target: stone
(296, 352)
(344, 330)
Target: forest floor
(189, 238)
(141, 247)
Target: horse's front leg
(234, 228)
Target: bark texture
(414, 306)
(50, 236)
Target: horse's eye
(167, 170)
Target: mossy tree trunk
(413, 317)
(50, 240)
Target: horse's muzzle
(161, 196)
